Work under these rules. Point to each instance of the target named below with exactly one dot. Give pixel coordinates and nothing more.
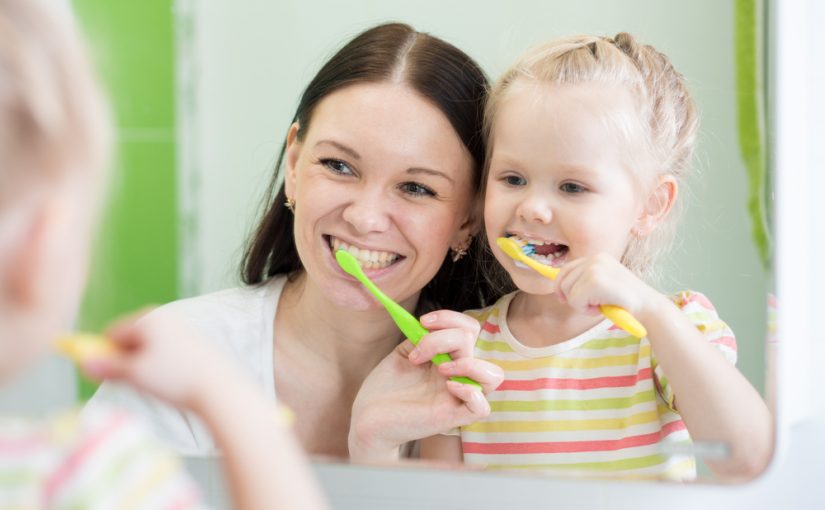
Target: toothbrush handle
(624, 320)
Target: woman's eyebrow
(429, 171)
(338, 145)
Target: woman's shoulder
(228, 302)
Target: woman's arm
(442, 448)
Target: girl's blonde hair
(663, 125)
(53, 118)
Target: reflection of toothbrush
(617, 314)
(408, 324)
(80, 347)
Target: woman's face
(381, 173)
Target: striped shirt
(596, 405)
(97, 460)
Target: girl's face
(382, 173)
(558, 178)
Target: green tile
(133, 47)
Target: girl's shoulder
(482, 315)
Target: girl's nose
(536, 208)
(368, 212)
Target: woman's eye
(337, 166)
(572, 187)
(515, 180)
(416, 189)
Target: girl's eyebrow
(340, 146)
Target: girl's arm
(715, 400)
(264, 466)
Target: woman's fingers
(451, 333)
(489, 376)
(458, 343)
(476, 406)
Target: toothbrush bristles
(526, 248)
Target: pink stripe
(489, 327)
(21, 445)
(674, 426)
(562, 446)
(727, 341)
(76, 459)
(546, 383)
(189, 499)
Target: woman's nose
(536, 208)
(368, 212)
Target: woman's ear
(657, 206)
(293, 150)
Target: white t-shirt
(238, 322)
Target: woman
(383, 158)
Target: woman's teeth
(367, 259)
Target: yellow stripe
(561, 362)
(564, 425)
(163, 471)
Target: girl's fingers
(489, 376)
(458, 343)
(475, 405)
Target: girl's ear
(26, 255)
(293, 150)
(657, 206)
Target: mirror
(207, 150)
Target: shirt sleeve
(703, 314)
(112, 461)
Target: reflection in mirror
(241, 73)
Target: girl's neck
(348, 343)
(541, 320)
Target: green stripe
(487, 346)
(572, 405)
(612, 465)
(607, 343)
(9, 479)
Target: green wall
(135, 259)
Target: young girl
(53, 144)
(589, 140)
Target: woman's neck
(542, 320)
(348, 343)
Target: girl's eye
(337, 166)
(572, 188)
(515, 180)
(416, 189)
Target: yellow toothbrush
(80, 347)
(617, 314)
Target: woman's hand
(406, 397)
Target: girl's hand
(160, 354)
(406, 397)
(586, 283)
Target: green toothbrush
(408, 324)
